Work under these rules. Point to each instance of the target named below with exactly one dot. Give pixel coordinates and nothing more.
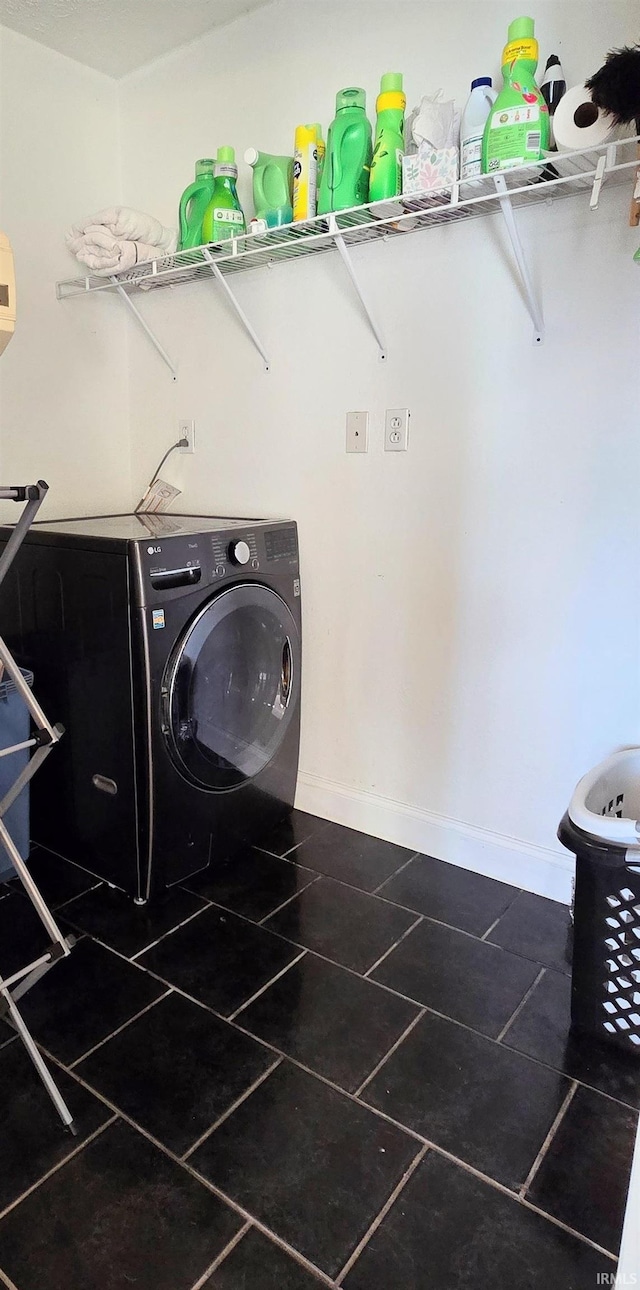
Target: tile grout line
(571, 1231)
(59, 909)
(230, 1109)
(523, 1001)
(171, 930)
(118, 1029)
(419, 919)
(39, 846)
(5, 1281)
(395, 875)
(194, 1173)
(517, 892)
(235, 1240)
(315, 833)
(295, 1254)
(520, 1200)
(324, 1079)
(50, 1172)
(490, 929)
(272, 912)
(548, 1140)
(355, 1254)
(232, 1015)
(392, 1050)
(183, 885)
(411, 1133)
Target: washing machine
(169, 648)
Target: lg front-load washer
(169, 648)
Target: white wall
(471, 608)
(63, 387)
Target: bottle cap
(351, 98)
(251, 156)
(304, 134)
(204, 166)
(521, 29)
(227, 156)
(481, 80)
(391, 81)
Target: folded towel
(119, 238)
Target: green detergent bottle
(223, 217)
(517, 129)
(193, 204)
(386, 166)
(345, 178)
(272, 187)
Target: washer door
(231, 687)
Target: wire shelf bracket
(237, 306)
(145, 327)
(533, 305)
(341, 246)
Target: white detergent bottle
(474, 118)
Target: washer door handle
(286, 676)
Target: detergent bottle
(386, 166)
(223, 217)
(517, 129)
(474, 119)
(345, 179)
(272, 187)
(193, 204)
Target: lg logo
(154, 550)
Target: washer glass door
(231, 686)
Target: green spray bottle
(517, 129)
(386, 166)
(223, 217)
(345, 178)
(193, 204)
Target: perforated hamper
(602, 828)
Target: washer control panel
(180, 561)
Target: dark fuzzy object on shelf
(615, 88)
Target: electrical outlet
(357, 431)
(187, 430)
(396, 429)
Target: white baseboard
(544, 870)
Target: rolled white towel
(105, 254)
(131, 225)
(119, 238)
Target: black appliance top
(140, 526)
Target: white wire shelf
(560, 175)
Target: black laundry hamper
(602, 828)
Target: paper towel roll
(578, 123)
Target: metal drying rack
(41, 742)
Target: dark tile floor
(328, 1062)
